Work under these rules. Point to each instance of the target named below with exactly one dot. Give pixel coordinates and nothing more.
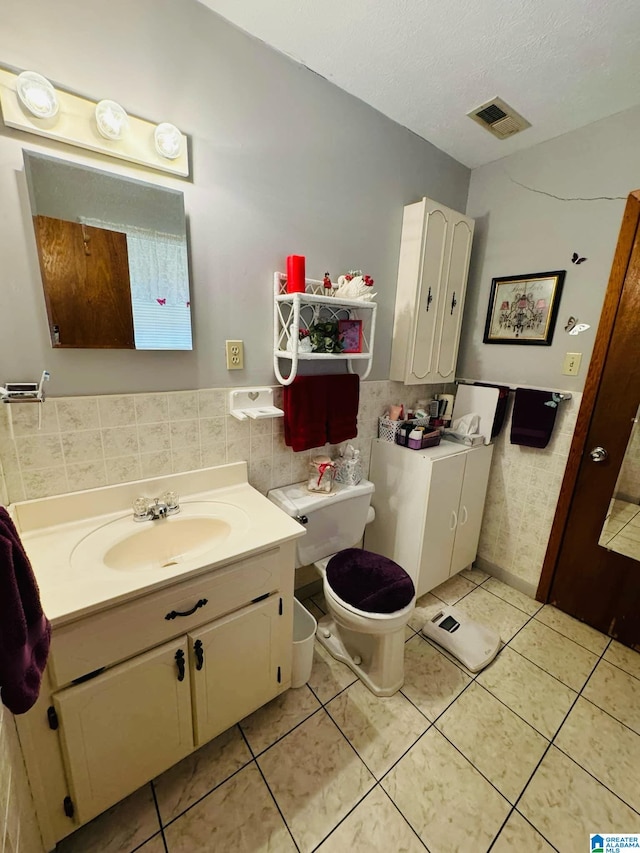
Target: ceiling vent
(499, 118)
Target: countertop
(50, 530)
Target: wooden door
(592, 583)
(124, 727)
(471, 507)
(238, 663)
(85, 275)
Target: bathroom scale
(475, 645)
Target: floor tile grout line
(582, 646)
(609, 714)
(402, 815)
(617, 666)
(519, 716)
(260, 753)
(157, 807)
(546, 671)
(277, 805)
(506, 601)
(551, 744)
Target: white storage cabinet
(429, 505)
(432, 282)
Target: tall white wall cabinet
(429, 506)
(432, 281)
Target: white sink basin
(125, 545)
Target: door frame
(621, 258)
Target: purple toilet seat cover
(369, 582)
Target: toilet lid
(369, 582)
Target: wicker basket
(388, 429)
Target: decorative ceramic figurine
(355, 285)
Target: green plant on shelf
(325, 337)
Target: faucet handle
(172, 500)
(140, 509)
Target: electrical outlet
(571, 364)
(235, 355)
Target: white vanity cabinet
(132, 689)
(429, 505)
(432, 281)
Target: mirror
(621, 529)
(113, 258)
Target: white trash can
(304, 632)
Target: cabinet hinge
(67, 805)
(279, 676)
(54, 723)
(280, 608)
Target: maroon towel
(305, 412)
(343, 392)
(25, 631)
(534, 414)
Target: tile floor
(532, 754)
(621, 529)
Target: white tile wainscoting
(87, 442)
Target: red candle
(295, 274)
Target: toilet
(369, 597)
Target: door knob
(598, 454)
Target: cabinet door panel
(453, 289)
(124, 727)
(433, 259)
(474, 490)
(441, 521)
(240, 659)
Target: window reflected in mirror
(621, 529)
(113, 258)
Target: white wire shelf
(301, 310)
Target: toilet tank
(335, 520)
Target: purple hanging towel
(534, 414)
(25, 631)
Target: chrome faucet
(152, 509)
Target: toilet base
(377, 660)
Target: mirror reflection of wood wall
(85, 273)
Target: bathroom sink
(124, 545)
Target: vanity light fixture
(168, 140)
(112, 120)
(30, 103)
(37, 94)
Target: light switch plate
(235, 355)
(571, 364)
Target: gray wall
(283, 162)
(522, 230)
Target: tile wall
(521, 500)
(18, 828)
(87, 442)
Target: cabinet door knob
(199, 653)
(454, 520)
(454, 301)
(429, 299)
(465, 516)
(179, 658)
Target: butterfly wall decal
(161, 301)
(574, 328)
(576, 259)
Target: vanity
(164, 633)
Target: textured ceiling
(426, 63)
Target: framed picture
(351, 335)
(523, 308)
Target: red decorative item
(295, 274)
(327, 283)
(161, 301)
